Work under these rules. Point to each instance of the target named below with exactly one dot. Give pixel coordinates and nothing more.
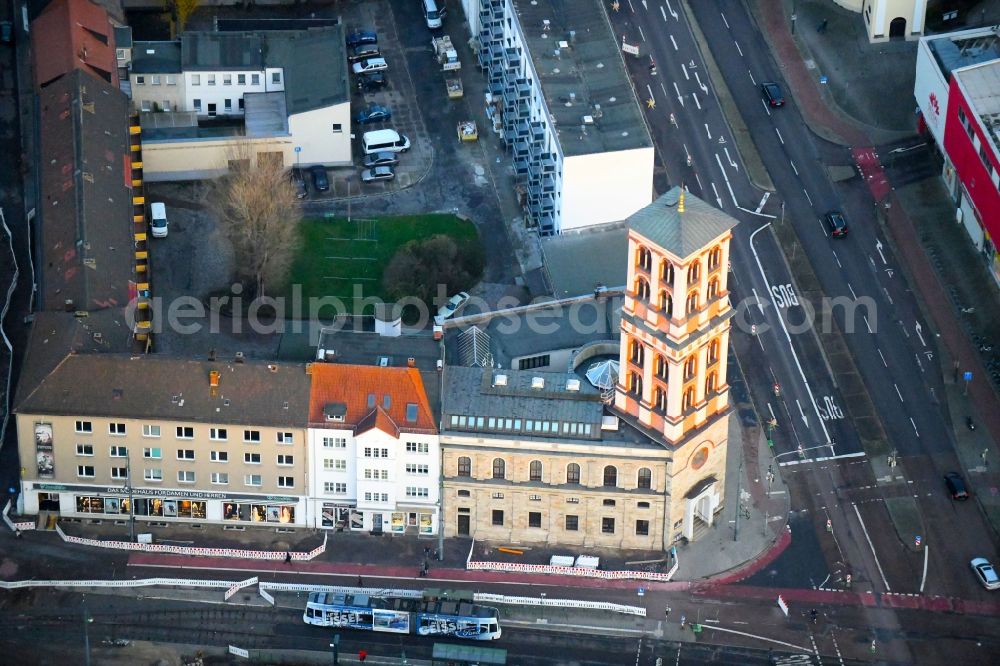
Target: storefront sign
(161, 492)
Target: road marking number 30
(828, 409)
(784, 295)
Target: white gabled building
(374, 451)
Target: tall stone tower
(674, 339)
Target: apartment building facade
(581, 158)
(374, 450)
(168, 440)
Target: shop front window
(258, 513)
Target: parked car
(320, 180)
(363, 51)
(370, 65)
(158, 222)
(381, 159)
(956, 486)
(454, 304)
(836, 223)
(772, 93)
(985, 573)
(375, 113)
(301, 191)
(377, 173)
(360, 37)
(370, 82)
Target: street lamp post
(542, 595)
(86, 635)
(131, 503)
(335, 645)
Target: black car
(363, 52)
(320, 180)
(956, 486)
(361, 37)
(772, 93)
(836, 223)
(299, 183)
(371, 81)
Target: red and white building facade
(958, 92)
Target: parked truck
(446, 54)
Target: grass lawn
(335, 255)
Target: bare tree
(183, 10)
(259, 211)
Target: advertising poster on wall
(43, 451)
(426, 524)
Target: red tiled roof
(73, 34)
(352, 385)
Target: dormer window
(371, 400)
(411, 412)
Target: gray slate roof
(123, 36)
(86, 202)
(315, 65)
(588, 72)
(156, 58)
(471, 392)
(158, 387)
(576, 262)
(218, 51)
(681, 234)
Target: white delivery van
(158, 219)
(432, 14)
(384, 140)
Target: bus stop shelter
(447, 654)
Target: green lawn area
(334, 254)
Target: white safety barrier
(265, 596)
(370, 591)
(139, 582)
(194, 550)
(236, 587)
(579, 572)
(559, 603)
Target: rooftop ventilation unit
(573, 384)
(500, 380)
(538, 383)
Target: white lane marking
(878, 246)
(674, 42)
(718, 199)
(701, 85)
(837, 258)
(687, 77)
(641, 34)
(760, 638)
(793, 167)
(853, 295)
(755, 83)
(788, 337)
(738, 47)
(900, 395)
(630, 6)
(923, 579)
(867, 325)
(779, 136)
(664, 13)
(917, 432)
(887, 296)
(736, 166)
(663, 87)
(709, 133)
(756, 299)
(672, 12)
(883, 358)
(870, 545)
(788, 463)
(680, 98)
(919, 328)
(809, 198)
(649, 89)
(725, 21)
(767, 195)
(696, 102)
(700, 186)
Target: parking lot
(438, 174)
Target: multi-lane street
(884, 394)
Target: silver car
(985, 573)
(381, 159)
(370, 65)
(377, 173)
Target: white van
(432, 14)
(385, 140)
(158, 219)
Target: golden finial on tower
(680, 203)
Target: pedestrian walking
(813, 614)
(361, 583)
(666, 613)
(822, 27)
(362, 655)
(683, 621)
(288, 558)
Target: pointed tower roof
(681, 225)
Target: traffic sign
(916, 541)
(967, 376)
(642, 591)
(782, 605)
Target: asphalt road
(892, 349)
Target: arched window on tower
(643, 259)
(710, 383)
(692, 302)
(642, 289)
(694, 273)
(636, 352)
(713, 288)
(610, 476)
(660, 367)
(666, 272)
(713, 351)
(688, 401)
(690, 366)
(535, 470)
(645, 478)
(714, 258)
(635, 383)
(659, 399)
(665, 303)
(573, 474)
(499, 468)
